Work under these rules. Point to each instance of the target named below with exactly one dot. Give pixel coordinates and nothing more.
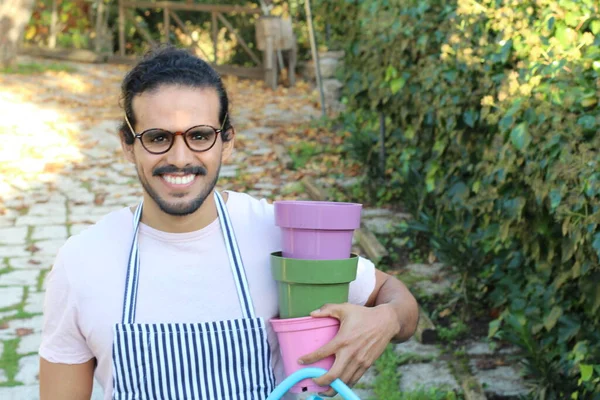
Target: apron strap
(133, 272)
(235, 261)
(235, 258)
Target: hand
(364, 334)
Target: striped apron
(209, 360)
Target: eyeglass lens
(200, 138)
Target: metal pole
(315, 54)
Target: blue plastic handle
(306, 373)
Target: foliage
(76, 27)
(36, 68)
(492, 117)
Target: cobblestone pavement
(61, 169)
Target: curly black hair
(168, 65)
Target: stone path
(61, 169)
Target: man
(170, 299)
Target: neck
(154, 217)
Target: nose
(180, 154)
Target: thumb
(329, 310)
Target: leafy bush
(492, 142)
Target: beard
(179, 209)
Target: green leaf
(470, 116)
(397, 84)
(569, 327)
(552, 318)
(586, 372)
(587, 121)
(494, 326)
(505, 51)
(596, 243)
(572, 19)
(505, 123)
(390, 73)
(551, 23)
(555, 198)
(595, 27)
(519, 136)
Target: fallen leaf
(99, 198)
(32, 248)
(34, 262)
(4, 325)
(485, 364)
(444, 313)
(432, 258)
(24, 331)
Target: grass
(387, 382)
(40, 281)
(456, 330)
(302, 152)
(36, 68)
(9, 359)
(9, 362)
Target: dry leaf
(431, 258)
(24, 331)
(34, 262)
(32, 248)
(99, 199)
(444, 313)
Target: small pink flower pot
(300, 336)
(317, 230)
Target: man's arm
(391, 293)
(391, 313)
(66, 381)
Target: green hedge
(492, 142)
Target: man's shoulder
(248, 206)
(101, 236)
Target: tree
(14, 17)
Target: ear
(127, 148)
(227, 150)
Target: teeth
(178, 180)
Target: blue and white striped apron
(208, 360)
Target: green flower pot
(306, 285)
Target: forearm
(396, 298)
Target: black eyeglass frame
(175, 134)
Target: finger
(356, 377)
(336, 370)
(326, 350)
(329, 393)
(329, 310)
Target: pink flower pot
(300, 336)
(317, 230)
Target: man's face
(180, 180)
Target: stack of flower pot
(315, 267)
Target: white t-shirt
(184, 277)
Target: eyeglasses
(198, 138)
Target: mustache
(171, 169)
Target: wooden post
(100, 33)
(53, 22)
(121, 29)
(315, 54)
(215, 35)
(269, 63)
(167, 24)
(292, 64)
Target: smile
(179, 179)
